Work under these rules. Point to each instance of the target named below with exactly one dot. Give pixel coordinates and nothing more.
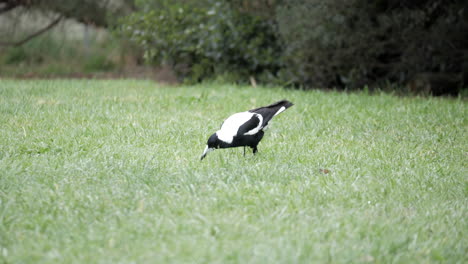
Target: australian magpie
(245, 128)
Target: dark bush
(352, 43)
(308, 43)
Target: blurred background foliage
(419, 46)
(51, 38)
(203, 39)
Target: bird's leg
(244, 151)
(255, 150)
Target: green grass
(109, 172)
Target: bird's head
(212, 144)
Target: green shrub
(201, 39)
(308, 43)
(42, 49)
(54, 55)
(97, 63)
(15, 56)
(33, 52)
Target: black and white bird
(245, 128)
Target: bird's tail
(269, 111)
(283, 103)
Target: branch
(28, 38)
(7, 5)
(7, 8)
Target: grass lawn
(109, 172)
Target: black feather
(249, 125)
(269, 111)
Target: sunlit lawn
(109, 172)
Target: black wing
(249, 125)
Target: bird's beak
(207, 149)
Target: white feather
(231, 126)
(280, 110)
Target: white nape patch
(280, 110)
(231, 126)
(255, 130)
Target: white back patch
(231, 126)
